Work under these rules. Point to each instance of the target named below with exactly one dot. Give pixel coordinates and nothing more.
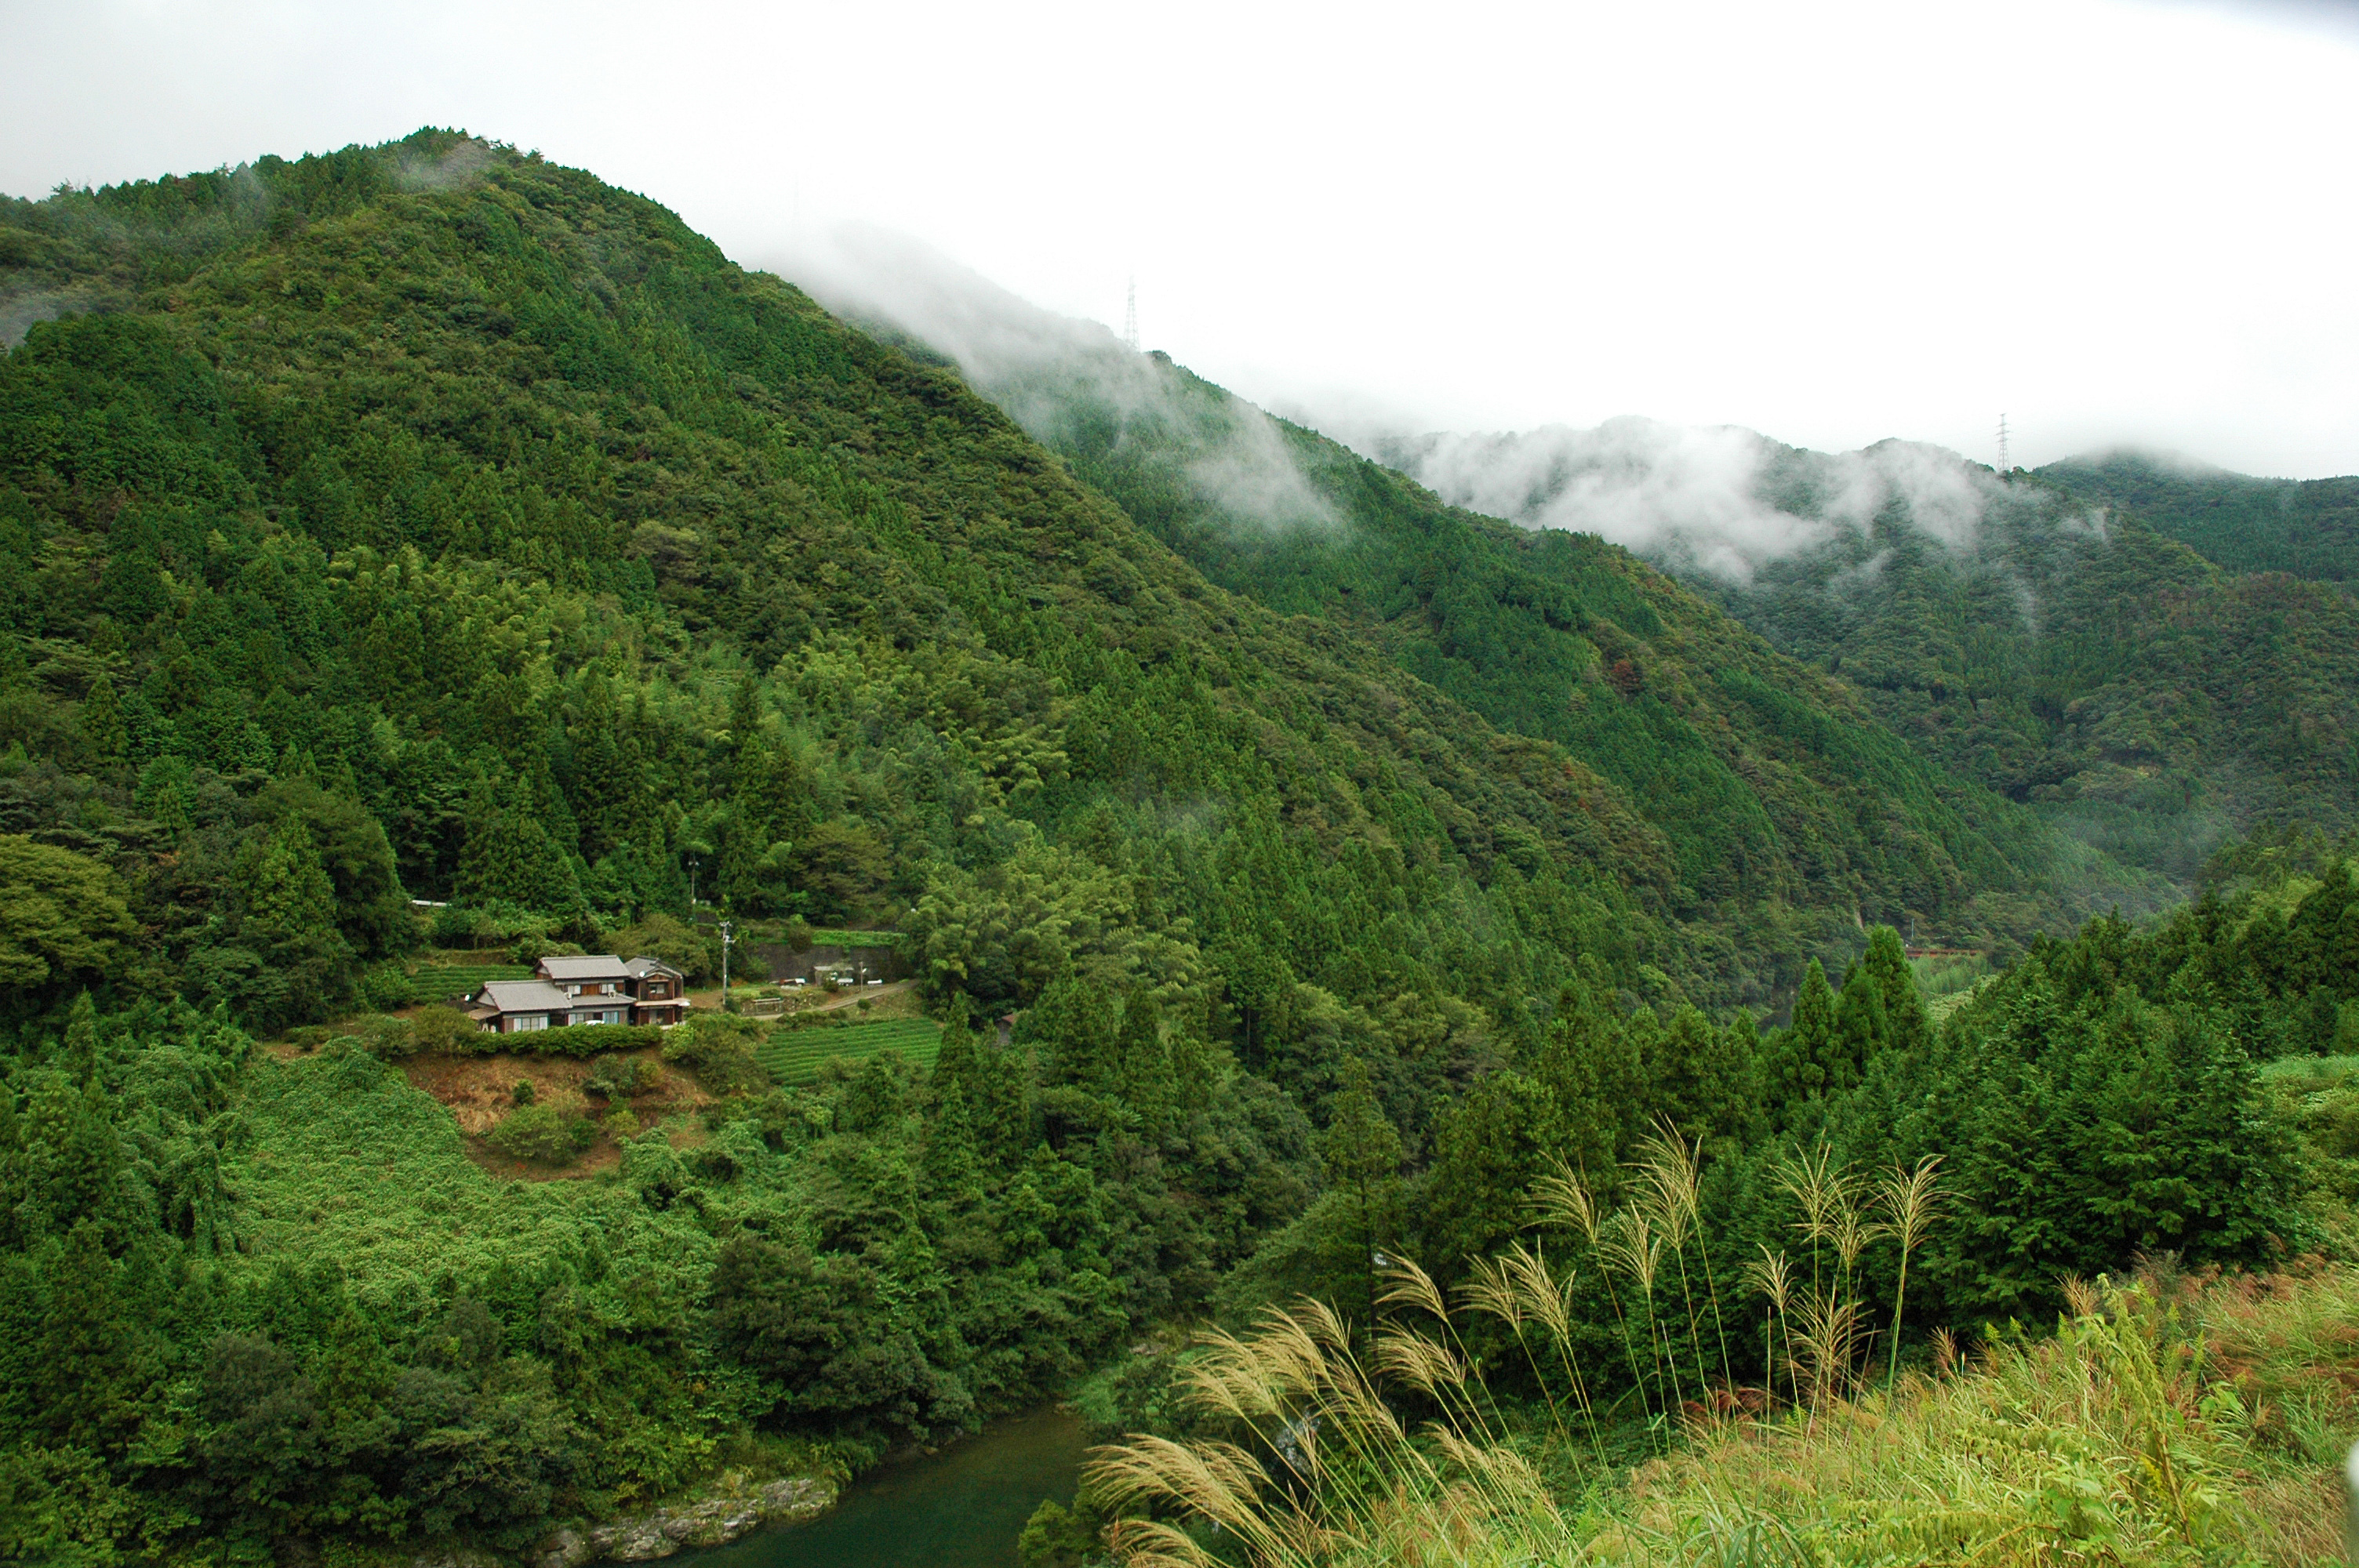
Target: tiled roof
(526, 995)
(586, 967)
(640, 968)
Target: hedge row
(453, 1033)
(578, 1040)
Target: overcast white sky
(2110, 220)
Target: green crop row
(440, 982)
(794, 1055)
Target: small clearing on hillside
(480, 1093)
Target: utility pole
(2004, 466)
(692, 863)
(728, 934)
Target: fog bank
(1716, 498)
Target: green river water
(962, 1508)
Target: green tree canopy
(63, 919)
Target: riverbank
(961, 1507)
(734, 1509)
(732, 1506)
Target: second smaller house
(658, 992)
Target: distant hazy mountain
(2083, 640)
(1754, 789)
(2308, 527)
(2046, 641)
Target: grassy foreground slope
(2164, 1420)
(2065, 1277)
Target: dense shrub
(531, 950)
(542, 1134)
(386, 986)
(440, 1028)
(658, 935)
(721, 1053)
(495, 924)
(620, 1077)
(385, 1037)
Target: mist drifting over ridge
(1716, 502)
(1719, 500)
(1052, 373)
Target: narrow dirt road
(709, 999)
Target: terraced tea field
(440, 982)
(793, 1055)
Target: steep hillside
(2137, 697)
(2305, 527)
(2052, 647)
(1775, 805)
(500, 486)
(432, 520)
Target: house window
(527, 1020)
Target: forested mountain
(2059, 646)
(429, 521)
(2305, 527)
(1769, 796)
(432, 521)
(491, 500)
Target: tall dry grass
(2166, 1420)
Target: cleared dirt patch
(480, 1092)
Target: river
(962, 1508)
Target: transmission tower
(1130, 319)
(2004, 465)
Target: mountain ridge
(2052, 635)
(433, 519)
(2244, 524)
(1497, 616)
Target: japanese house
(595, 987)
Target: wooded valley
(431, 559)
